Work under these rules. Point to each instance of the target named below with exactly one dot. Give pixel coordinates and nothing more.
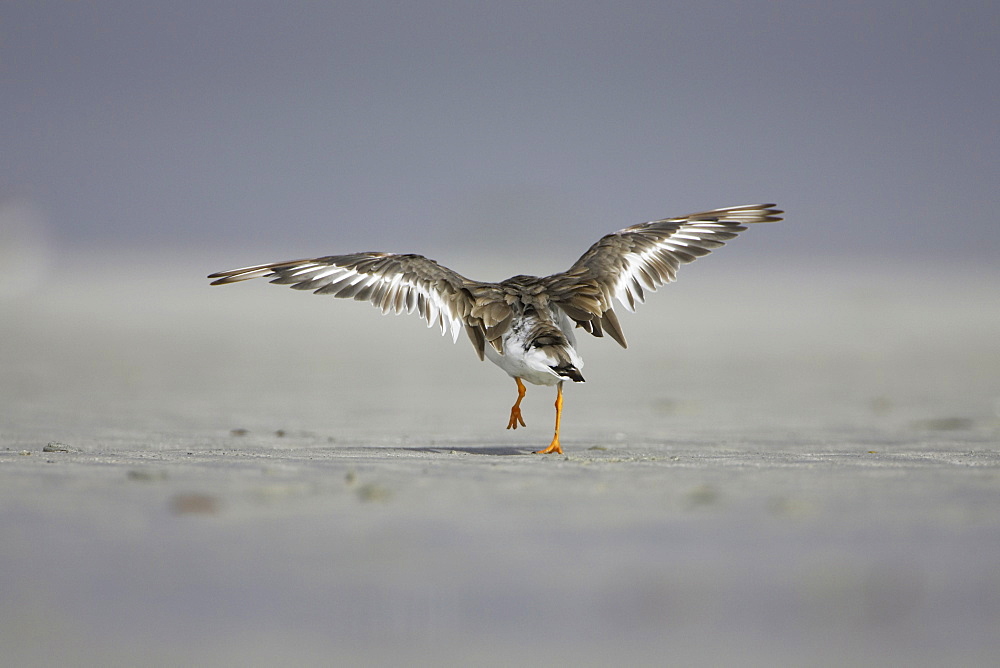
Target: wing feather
(622, 266)
(627, 264)
(394, 283)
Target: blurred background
(297, 128)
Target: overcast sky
(315, 128)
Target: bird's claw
(554, 447)
(515, 418)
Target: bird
(524, 324)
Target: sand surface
(788, 466)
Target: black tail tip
(569, 372)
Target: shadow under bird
(525, 324)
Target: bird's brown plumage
(622, 265)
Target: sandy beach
(787, 467)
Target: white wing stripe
(323, 273)
(390, 287)
(640, 274)
(306, 268)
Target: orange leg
(515, 411)
(554, 445)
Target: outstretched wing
(627, 263)
(392, 282)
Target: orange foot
(515, 418)
(515, 410)
(554, 447)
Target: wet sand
(785, 467)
